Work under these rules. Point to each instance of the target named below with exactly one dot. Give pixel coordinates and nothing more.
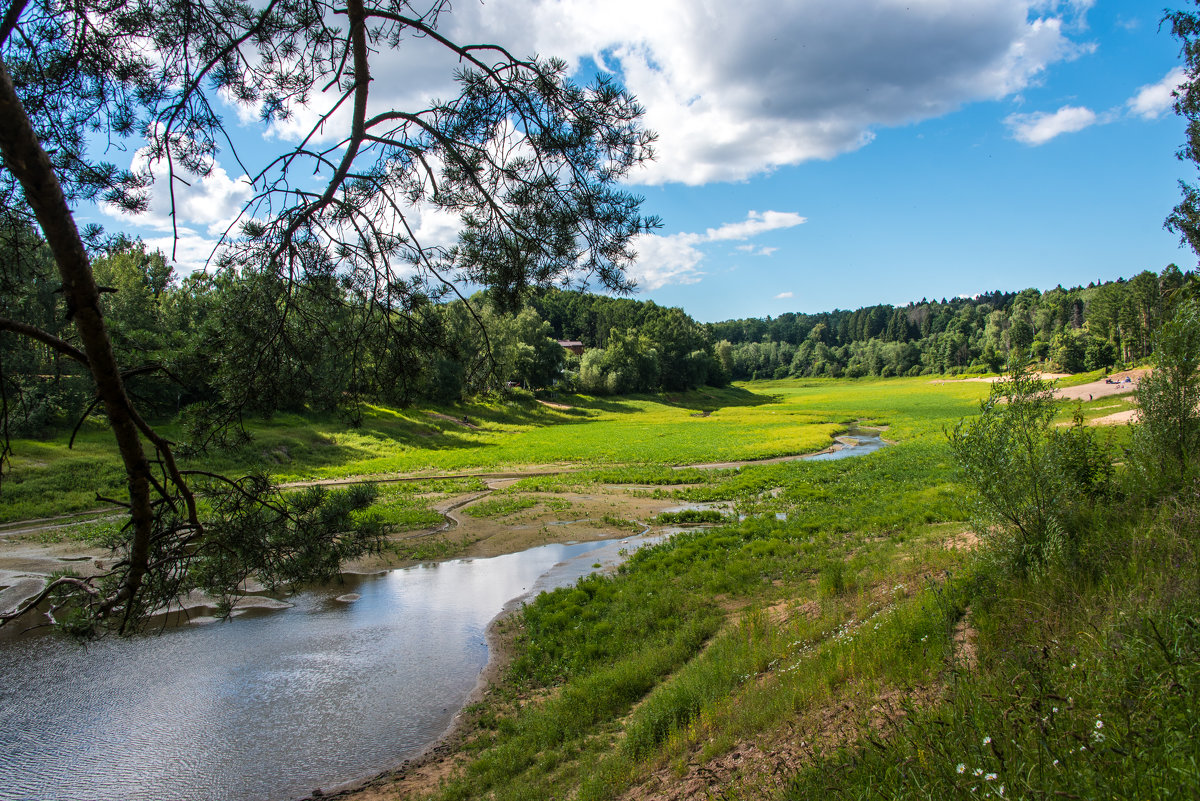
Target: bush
(1030, 481)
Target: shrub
(1030, 481)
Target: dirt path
(1121, 383)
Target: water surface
(267, 707)
(865, 441)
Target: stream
(349, 681)
(268, 706)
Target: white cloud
(1154, 100)
(755, 250)
(676, 258)
(732, 95)
(755, 223)
(1040, 127)
(190, 251)
(212, 201)
(735, 93)
(1150, 102)
(785, 295)
(203, 206)
(666, 260)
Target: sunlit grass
(751, 421)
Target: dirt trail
(1121, 383)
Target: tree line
(1107, 325)
(192, 344)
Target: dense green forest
(198, 342)
(1109, 325)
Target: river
(273, 705)
(269, 706)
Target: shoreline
(500, 653)
(423, 770)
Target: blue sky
(822, 154)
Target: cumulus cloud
(210, 202)
(731, 93)
(676, 258)
(202, 208)
(1040, 127)
(1149, 103)
(736, 93)
(1154, 100)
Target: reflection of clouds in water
(206, 712)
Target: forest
(195, 342)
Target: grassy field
(835, 629)
(848, 634)
(769, 419)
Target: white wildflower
(991, 777)
(961, 767)
(987, 740)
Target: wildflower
(987, 740)
(961, 767)
(991, 777)
(978, 771)
(1099, 724)
(1000, 791)
(1056, 763)
(1097, 737)
(1054, 710)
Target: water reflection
(266, 707)
(865, 441)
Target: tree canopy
(525, 158)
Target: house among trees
(572, 345)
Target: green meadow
(837, 628)
(849, 634)
(745, 422)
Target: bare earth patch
(458, 421)
(963, 541)
(1102, 388)
(1115, 419)
(761, 768)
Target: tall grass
(1088, 684)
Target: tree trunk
(28, 162)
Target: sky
(822, 154)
